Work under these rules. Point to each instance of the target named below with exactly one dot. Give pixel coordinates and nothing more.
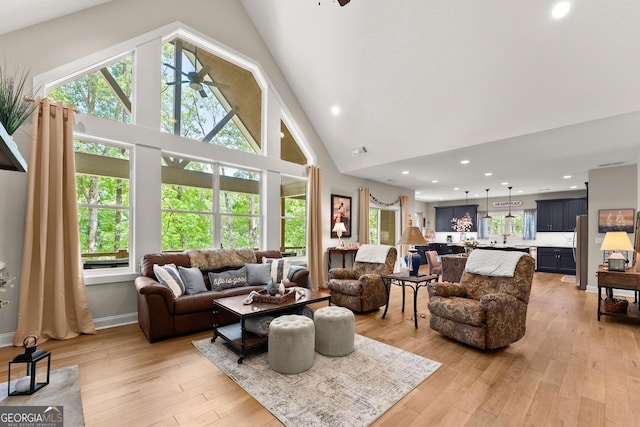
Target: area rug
(63, 391)
(348, 391)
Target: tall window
(102, 188)
(239, 208)
(382, 226)
(209, 99)
(105, 92)
(187, 204)
(293, 214)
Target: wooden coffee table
(241, 340)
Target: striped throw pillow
(169, 276)
(279, 268)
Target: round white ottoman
(335, 330)
(291, 344)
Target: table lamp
(616, 241)
(412, 236)
(339, 228)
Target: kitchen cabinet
(444, 215)
(559, 214)
(556, 260)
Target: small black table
(414, 282)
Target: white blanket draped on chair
(372, 253)
(489, 262)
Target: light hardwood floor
(568, 370)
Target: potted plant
(16, 99)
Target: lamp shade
(412, 236)
(339, 227)
(616, 241)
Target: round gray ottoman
(291, 344)
(335, 330)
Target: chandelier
(465, 223)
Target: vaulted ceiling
(425, 84)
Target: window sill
(102, 276)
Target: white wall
(609, 188)
(55, 43)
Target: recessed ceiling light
(476, 195)
(560, 10)
(567, 176)
(573, 187)
(456, 188)
(520, 191)
(417, 192)
(504, 183)
(488, 174)
(335, 110)
(281, 134)
(434, 181)
(464, 162)
(405, 172)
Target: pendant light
(507, 219)
(465, 223)
(486, 215)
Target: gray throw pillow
(258, 325)
(258, 274)
(193, 280)
(228, 279)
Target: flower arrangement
(6, 280)
(471, 243)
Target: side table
(628, 280)
(414, 282)
(343, 251)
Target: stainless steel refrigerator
(581, 250)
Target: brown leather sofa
(162, 316)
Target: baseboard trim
(6, 339)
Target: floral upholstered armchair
(484, 310)
(361, 288)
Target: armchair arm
(343, 274)
(505, 317)
(446, 289)
(147, 286)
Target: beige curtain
(314, 229)
(363, 215)
(53, 301)
(404, 220)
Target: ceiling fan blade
(172, 83)
(203, 93)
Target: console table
(628, 280)
(414, 282)
(343, 251)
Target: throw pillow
(279, 268)
(258, 274)
(192, 279)
(258, 325)
(169, 276)
(228, 279)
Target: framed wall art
(616, 220)
(340, 212)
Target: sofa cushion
(279, 268)
(169, 276)
(228, 279)
(192, 279)
(258, 274)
